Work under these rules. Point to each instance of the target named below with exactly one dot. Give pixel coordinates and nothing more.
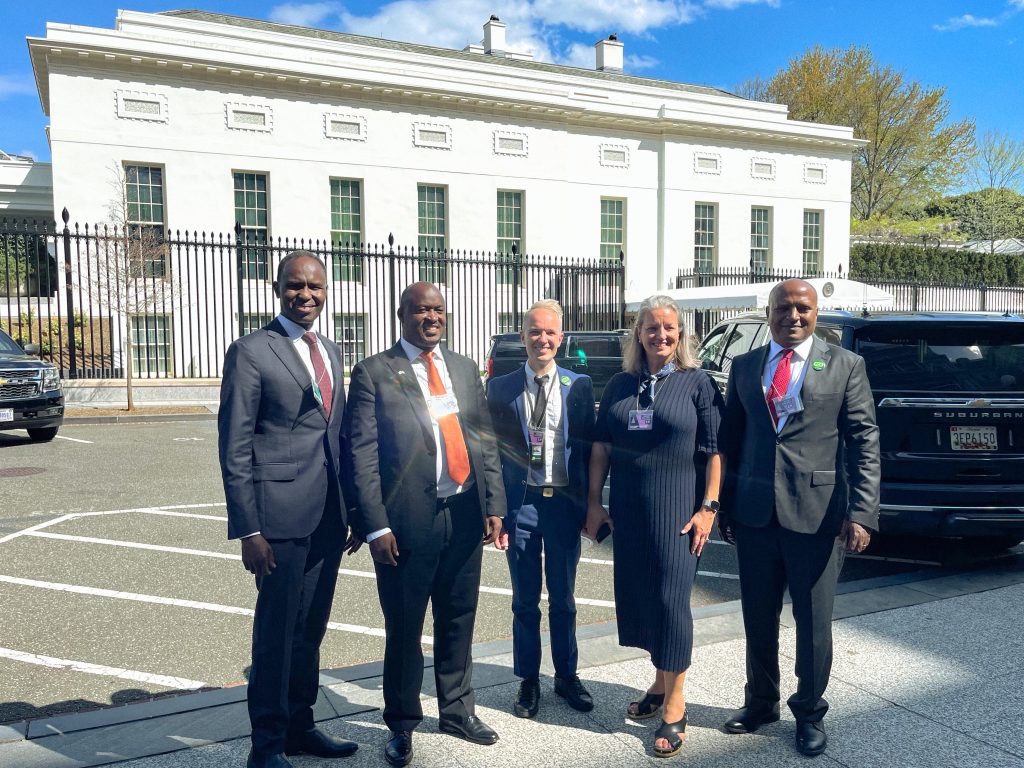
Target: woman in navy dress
(657, 432)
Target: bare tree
(128, 273)
(996, 169)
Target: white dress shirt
(553, 472)
(797, 369)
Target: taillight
(490, 367)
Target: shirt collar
(801, 351)
(412, 351)
(291, 328)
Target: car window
(7, 344)
(946, 358)
(830, 334)
(711, 348)
(740, 341)
(509, 347)
(586, 347)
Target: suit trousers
(442, 567)
(770, 558)
(292, 610)
(552, 525)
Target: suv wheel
(43, 434)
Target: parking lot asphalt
(119, 583)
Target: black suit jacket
(823, 467)
(279, 453)
(391, 451)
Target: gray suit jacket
(279, 453)
(823, 467)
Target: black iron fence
(98, 299)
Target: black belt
(455, 498)
(547, 491)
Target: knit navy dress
(657, 483)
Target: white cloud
(28, 153)
(1017, 4)
(730, 5)
(636, 63)
(304, 14)
(11, 85)
(605, 16)
(965, 22)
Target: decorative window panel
(762, 168)
(508, 143)
(351, 127)
(704, 162)
(615, 156)
(814, 174)
(432, 136)
(135, 105)
(249, 117)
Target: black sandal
(674, 734)
(648, 706)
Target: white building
(26, 189)
(586, 161)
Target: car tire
(43, 434)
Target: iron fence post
(69, 293)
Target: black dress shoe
(274, 760)
(316, 742)
(398, 750)
(528, 699)
(810, 738)
(750, 718)
(471, 729)
(575, 695)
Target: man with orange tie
(428, 497)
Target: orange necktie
(451, 432)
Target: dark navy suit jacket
(505, 401)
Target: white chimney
(494, 37)
(609, 54)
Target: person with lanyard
(542, 416)
(657, 432)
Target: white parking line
(179, 683)
(74, 439)
(177, 602)
(544, 597)
(132, 545)
(75, 515)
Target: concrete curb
(140, 418)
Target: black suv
(949, 396)
(598, 354)
(31, 396)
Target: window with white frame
(432, 226)
(151, 345)
(812, 242)
(144, 198)
(253, 321)
(347, 229)
(705, 226)
(350, 336)
(760, 238)
(507, 322)
(613, 233)
(510, 235)
(251, 218)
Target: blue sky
(972, 49)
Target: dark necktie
(780, 383)
(320, 378)
(540, 405)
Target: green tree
(912, 152)
(997, 169)
(988, 214)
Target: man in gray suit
(800, 445)
(428, 496)
(279, 431)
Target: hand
(384, 549)
(502, 541)
(701, 523)
(856, 536)
(353, 543)
(257, 556)
(726, 529)
(597, 516)
(494, 531)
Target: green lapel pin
(818, 365)
(565, 381)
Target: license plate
(6, 414)
(973, 439)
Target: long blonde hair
(633, 357)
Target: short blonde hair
(633, 357)
(549, 304)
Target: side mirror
(709, 365)
(31, 349)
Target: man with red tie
(800, 446)
(428, 497)
(279, 435)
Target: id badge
(788, 405)
(536, 445)
(641, 421)
(443, 405)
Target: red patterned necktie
(451, 432)
(322, 380)
(780, 383)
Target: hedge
(905, 262)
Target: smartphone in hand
(603, 533)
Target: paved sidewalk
(927, 673)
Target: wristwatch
(711, 504)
